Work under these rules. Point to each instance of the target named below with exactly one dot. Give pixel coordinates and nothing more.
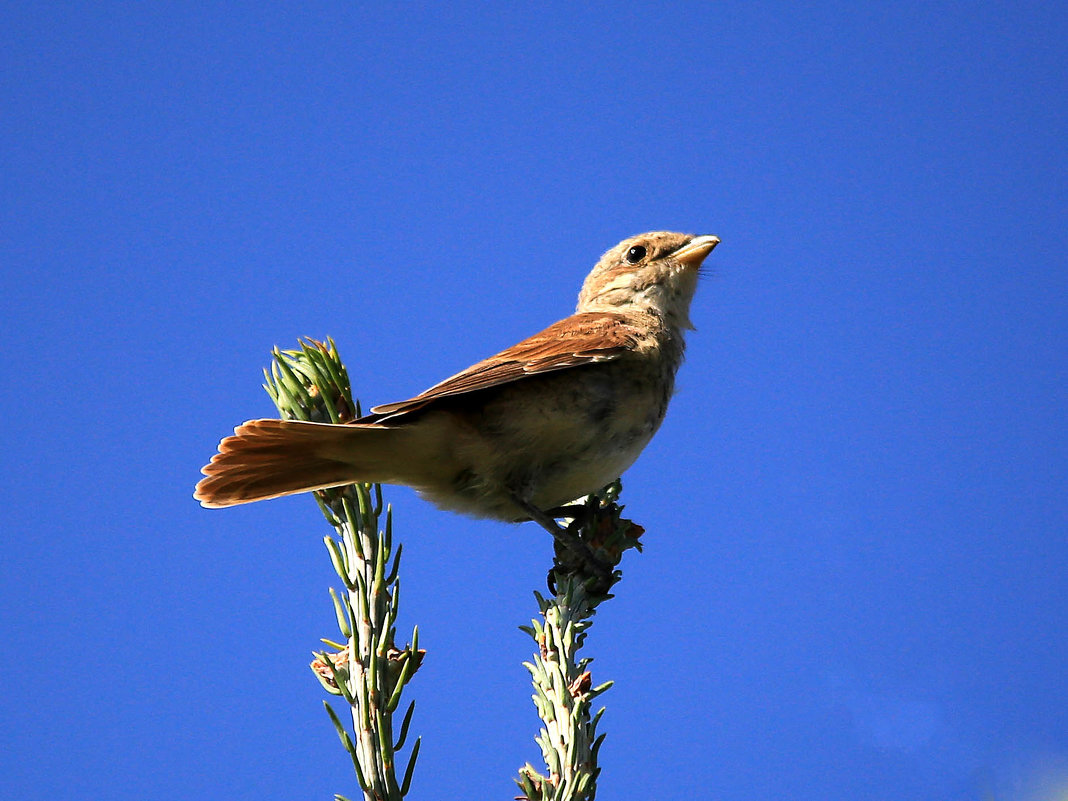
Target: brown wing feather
(578, 340)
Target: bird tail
(271, 458)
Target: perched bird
(513, 437)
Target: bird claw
(573, 554)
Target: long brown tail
(270, 458)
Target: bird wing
(578, 340)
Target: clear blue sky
(854, 583)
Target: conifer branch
(563, 684)
(368, 671)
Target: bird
(519, 435)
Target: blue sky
(854, 577)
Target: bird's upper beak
(693, 252)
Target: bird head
(654, 272)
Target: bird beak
(693, 252)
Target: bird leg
(567, 538)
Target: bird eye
(635, 254)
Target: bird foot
(573, 554)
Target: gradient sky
(854, 582)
